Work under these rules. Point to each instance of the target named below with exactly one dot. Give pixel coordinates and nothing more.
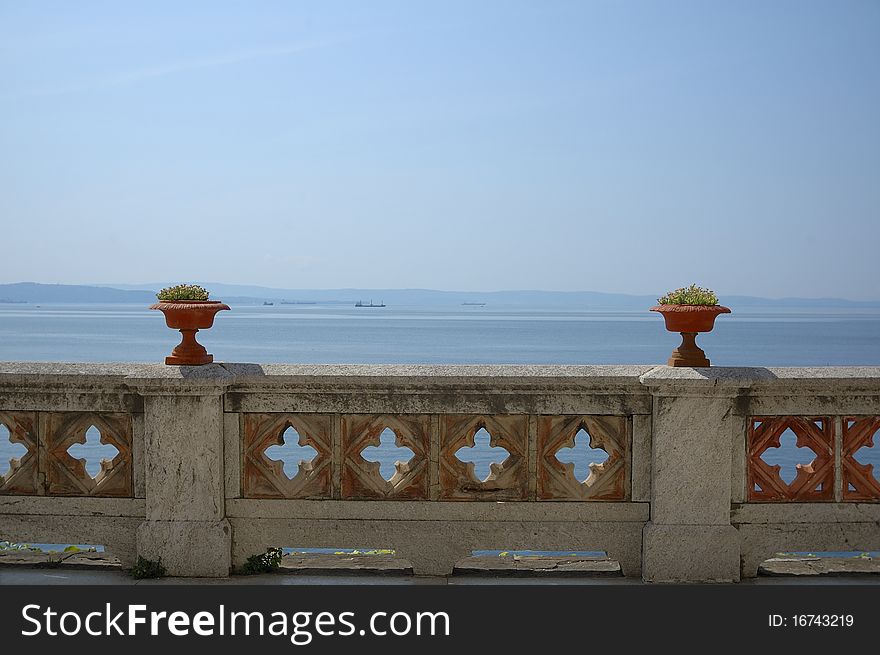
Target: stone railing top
(145, 377)
(85, 375)
(74, 369)
(761, 378)
(506, 376)
(436, 370)
(70, 377)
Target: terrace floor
(98, 568)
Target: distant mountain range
(31, 292)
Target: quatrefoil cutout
(294, 455)
(789, 456)
(791, 459)
(93, 452)
(388, 454)
(582, 456)
(482, 455)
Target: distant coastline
(32, 293)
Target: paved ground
(37, 568)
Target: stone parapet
(684, 493)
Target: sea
(466, 334)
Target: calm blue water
(457, 335)
(341, 334)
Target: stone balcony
(684, 493)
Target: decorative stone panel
(23, 475)
(813, 482)
(361, 479)
(607, 481)
(262, 477)
(508, 480)
(66, 475)
(860, 481)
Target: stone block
(200, 549)
(692, 459)
(763, 541)
(690, 553)
(184, 458)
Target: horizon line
(433, 290)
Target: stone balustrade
(684, 494)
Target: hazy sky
(612, 146)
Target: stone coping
(757, 375)
(244, 375)
(247, 371)
(254, 372)
(53, 373)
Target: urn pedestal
(689, 320)
(189, 316)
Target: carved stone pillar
(186, 522)
(690, 537)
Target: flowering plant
(692, 295)
(183, 292)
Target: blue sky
(611, 146)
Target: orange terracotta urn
(189, 316)
(688, 320)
